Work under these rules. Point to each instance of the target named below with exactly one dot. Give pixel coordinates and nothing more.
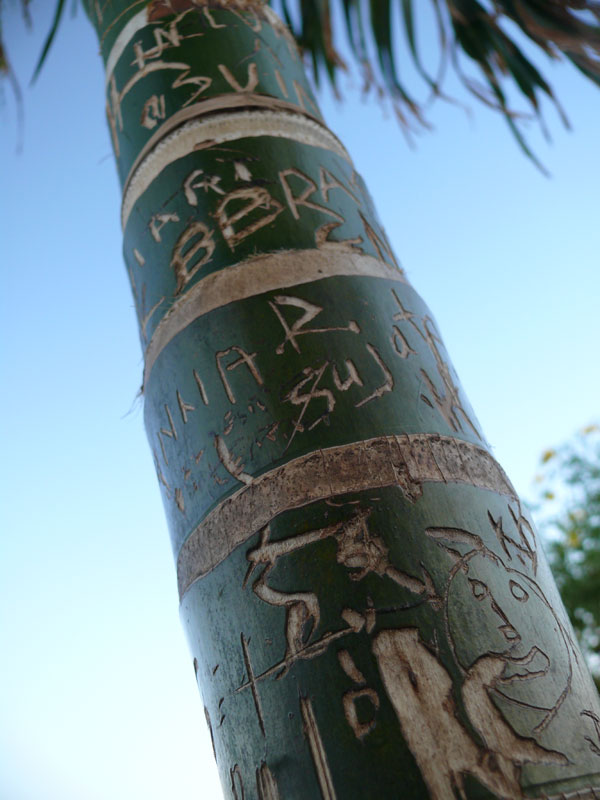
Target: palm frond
(479, 38)
(478, 33)
(58, 13)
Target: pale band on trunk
(255, 276)
(219, 128)
(129, 30)
(405, 461)
(593, 793)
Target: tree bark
(369, 611)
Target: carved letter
(163, 38)
(183, 252)
(349, 702)
(298, 399)
(158, 222)
(252, 78)
(388, 383)
(154, 109)
(257, 198)
(353, 376)
(201, 81)
(329, 181)
(184, 407)
(201, 388)
(206, 183)
(310, 312)
(171, 433)
(401, 346)
(302, 199)
(245, 358)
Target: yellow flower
(547, 455)
(573, 539)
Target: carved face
(494, 609)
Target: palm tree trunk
(368, 609)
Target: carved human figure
(486, 676)
(482, 592)
(421, 692)
(302, 608)
(501, 603)
(509, 654)
(357, 549)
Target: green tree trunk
(368, 609)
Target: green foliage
(569, 505)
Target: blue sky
(96, 685)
